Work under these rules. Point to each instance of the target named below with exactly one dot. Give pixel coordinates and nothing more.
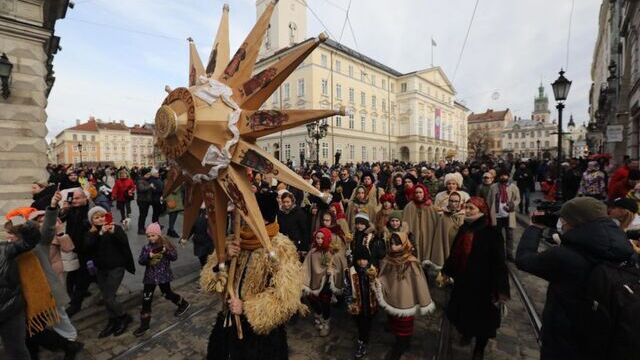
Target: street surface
(186, 337)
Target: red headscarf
(480, 204)
(339, 212)
(427, 196)
(388, 197)
(326, 240)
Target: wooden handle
(232, 272)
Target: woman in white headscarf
(452, 183)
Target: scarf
(249, 240)
(287, 212)
(502, 197)
(462, 250)
(41, 306)
(403, 256)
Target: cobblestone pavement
(186, 337)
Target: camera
(547, 213)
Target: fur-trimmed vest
(322, 266)
(269, 289)
(354, 287)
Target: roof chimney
(92, 118)
(122, 122)
(77, 122)
(489, 110)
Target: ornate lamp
(6, 67)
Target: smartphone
(108, 219)
(69, 197)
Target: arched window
(267, 38)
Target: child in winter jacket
(123, 192)
(359, 284)
(157, 256)
(401, 289)
(319, 278)
(365, 236)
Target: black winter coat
(471, 306)
(77, 227)
(202, 242)
(11, 300)
(111, 250)
(295, 225)
(566, 268)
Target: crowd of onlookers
(455, 220)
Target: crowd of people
(391, 235)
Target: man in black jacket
(75, 216)
(588, 238)
(294, 223)
(344, 187)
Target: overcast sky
(118, 55)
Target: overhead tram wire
(573, 2)
(464, 44)
(346, 18)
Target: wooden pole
(232, 271)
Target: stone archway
(405, 155)
(422, 155)
(437, 158)
(430, 154)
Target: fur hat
(456, 177)
(94, 210)
(362, 217)
(367, 174)
(153, 229)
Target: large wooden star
(208, 130)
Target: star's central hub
(166, 122)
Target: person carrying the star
(268, 288)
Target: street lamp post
(80, 150)
(560, 91)
(538, 153)
(317, 130)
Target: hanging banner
(437, 124)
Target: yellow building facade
(390, 115)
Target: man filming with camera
(578, 272)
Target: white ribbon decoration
(210, 91)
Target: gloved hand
(91, 268)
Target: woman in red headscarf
(424, 224)
(481, 285)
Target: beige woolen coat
(424, 225)
(514, 196)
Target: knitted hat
(153, 229)
(396, 214)
(95, 210)
(363, 218)
(582, 210)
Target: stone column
(26, 36)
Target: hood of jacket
(601, 239)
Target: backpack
(609, 314)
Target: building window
(323, 60)
(374, 153)
(324, 87)
(524, 144)
(517, 147)
(352, 151)
(546, 144)
(364, 153)
(539, 133)
(363, 98)
(373, 126)
(362, 123)
(421, 127)
(392, 86)
(286, 91)
(508, 145)
(275, 97)
(362, 75)
(373, 101)
(325, 150)
(300, 87)
(351, 121)
(339, 121)
(546, 133)
(531, 144)
(403, 87)
(384, 84)
(301, 147)
(384, 127)
(338, 91)
(352, 95)
(373, 80)
(384, 105)
(338, 66)
(515, 135)
(75, 137)
(84, 137)
(393, 128)
(287, 151)
(509, 135)
(350, 70)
